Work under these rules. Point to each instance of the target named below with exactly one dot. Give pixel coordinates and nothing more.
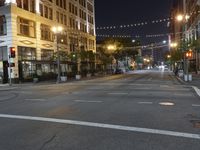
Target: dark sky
(123, 12)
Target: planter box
(35, 80)
(63, 78)
(89, 75)
(78, 77)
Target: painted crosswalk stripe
(105, 126)
(195, 105)
(29, 99)
(197, 90)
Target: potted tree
(35, 78)
(63, 57)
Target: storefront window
(26, 53)
(3, 53)
(28, 69)
(46, 54)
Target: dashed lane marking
(35, 99)
(117, 93)
(147, 103)
(195, 105)
(105, 126)
(86, 101)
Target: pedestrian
(176, 71)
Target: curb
(196, 89)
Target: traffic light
(12, 52)
(188, 54)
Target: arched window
(2, 25)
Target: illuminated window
(46, 54)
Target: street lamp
(111, 48)
(183, 19)
(173, 44)
(57, 31)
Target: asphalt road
(144, 110)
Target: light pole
(57, 31)
(111, 48)
(183, 19)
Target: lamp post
(57, 31)
(111, 48)
(183, 19)
(169, 59)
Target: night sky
(118, 12)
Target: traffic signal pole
(10, 55)
(10, 78)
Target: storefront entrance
(3, 72)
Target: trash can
(187, 77)
(190, 77)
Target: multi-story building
(26, 25)
(192, 31)
(186, 32)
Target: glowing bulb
(179, 18)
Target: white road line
(183, 94)
(149, 103)
(106, 126)
(86, 101)
(195, 105)
(35, 99)
(117, 93)
(196, 90)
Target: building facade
(26, 25)
(186, 32)
(192, 31)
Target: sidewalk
(5, 87)
(195, 83)
(195, 80)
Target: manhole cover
(166, 104)
(196, 123)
